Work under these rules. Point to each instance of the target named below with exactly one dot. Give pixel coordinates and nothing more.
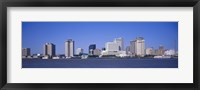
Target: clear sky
(36, 34)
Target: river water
(100, 63)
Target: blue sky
(36, 34)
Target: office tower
(69, 48)
(92, 47)
(120, 41)
(49, 49)
(79, 51)
(140, 46)
(112, 47)
(132, 47)
(149, 51)
(26, 51)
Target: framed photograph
(87, 44)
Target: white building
(45, 57)
(109, 53)
(122, 54)
(69, 48)
(170, 53)
(103, 52)
(140, 46)
(112, 46)
(79, 51)
(149, 51)
(120, 41)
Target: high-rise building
(120, 41)
(79, 51)
(140, 46)
(49, 49)
(69, 48)
(132, 47)
(115, 47)
(91, 49)
(112, 46)
(26, 51)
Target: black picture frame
(98, 3)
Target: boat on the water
(162, 56)
(84, 56)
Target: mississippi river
(100, 63)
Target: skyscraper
(140, 46)
(26, 51)
(69, 48)
(120, 41)
(112, 47)
(91, 49)
(132, 47)
(49, 49)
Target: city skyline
(83, 39)
(138, 48)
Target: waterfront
(100, 63)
